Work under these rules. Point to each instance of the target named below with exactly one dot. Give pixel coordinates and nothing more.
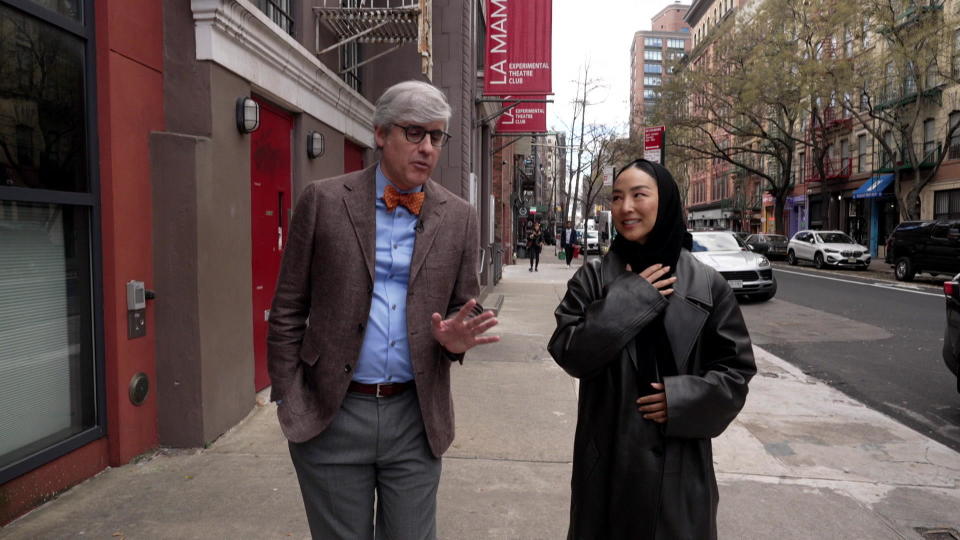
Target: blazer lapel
(361, 208)
(431, 219)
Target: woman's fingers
(660, 417)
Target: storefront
(795, 214)
(712, 218)
(51, 392)
(872, 213)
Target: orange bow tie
(412, 201)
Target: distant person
(376, 300)
(663, 357)
(534, 246)
(568, 239)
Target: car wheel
(818, 261)
(791, 258)
(903, 270)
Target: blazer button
(360, 328)
(347, 368)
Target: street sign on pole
(653, 139)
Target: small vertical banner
(518, 48)
(525, 117)
(608, 176)
(653, 143)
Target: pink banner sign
(524, 118)
(518, 48)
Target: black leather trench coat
(633, 478)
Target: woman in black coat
(663, 357)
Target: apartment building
(719, 195)
(856, 190)
(651, 55)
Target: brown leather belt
(379, 390)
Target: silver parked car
(748, 273)
(827, 248)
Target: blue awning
(874, 187)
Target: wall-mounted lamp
(314, 144)
(248, 115)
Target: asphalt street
(876, 340)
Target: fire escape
(385, 22)
(833, 122)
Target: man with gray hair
(376, 298)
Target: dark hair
(644, 165)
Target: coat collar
(360, 200)
(689, 305)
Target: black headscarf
(669, 234)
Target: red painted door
(270, 193)
(352, 156)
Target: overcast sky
(599, 32)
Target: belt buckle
(379, 385)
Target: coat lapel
(361, 208)
(431, 219)
(688, 310)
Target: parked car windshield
(715, 242)
(836, 238)
(776, 238)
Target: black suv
(932, 247)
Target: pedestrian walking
(663, 357)
(375, 301)
(568, 239)
(535, 246)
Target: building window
(946, 204)
(929, 140)
(861, 153)
(932, 76)
(350, 56)
(49, 388)
(887, 159)
(676, 44)
(719, 187)
(890, 81)
(802, 157)
(653, 68)
(651, 81)
(653, 55)
(279, 11)
(656, 43)
(956, 55)
(865, 33)
(844, 156)
(954, 152)
(909, 79)
(649, 94)
(847, 42)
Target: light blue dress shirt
(385, 353)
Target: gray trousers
(375, 451)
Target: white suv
(827, 248)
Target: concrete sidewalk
(801, 461)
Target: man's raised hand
(462, 332)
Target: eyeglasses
(415, 134)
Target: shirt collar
(382, 182)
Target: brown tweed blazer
(323, 298)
